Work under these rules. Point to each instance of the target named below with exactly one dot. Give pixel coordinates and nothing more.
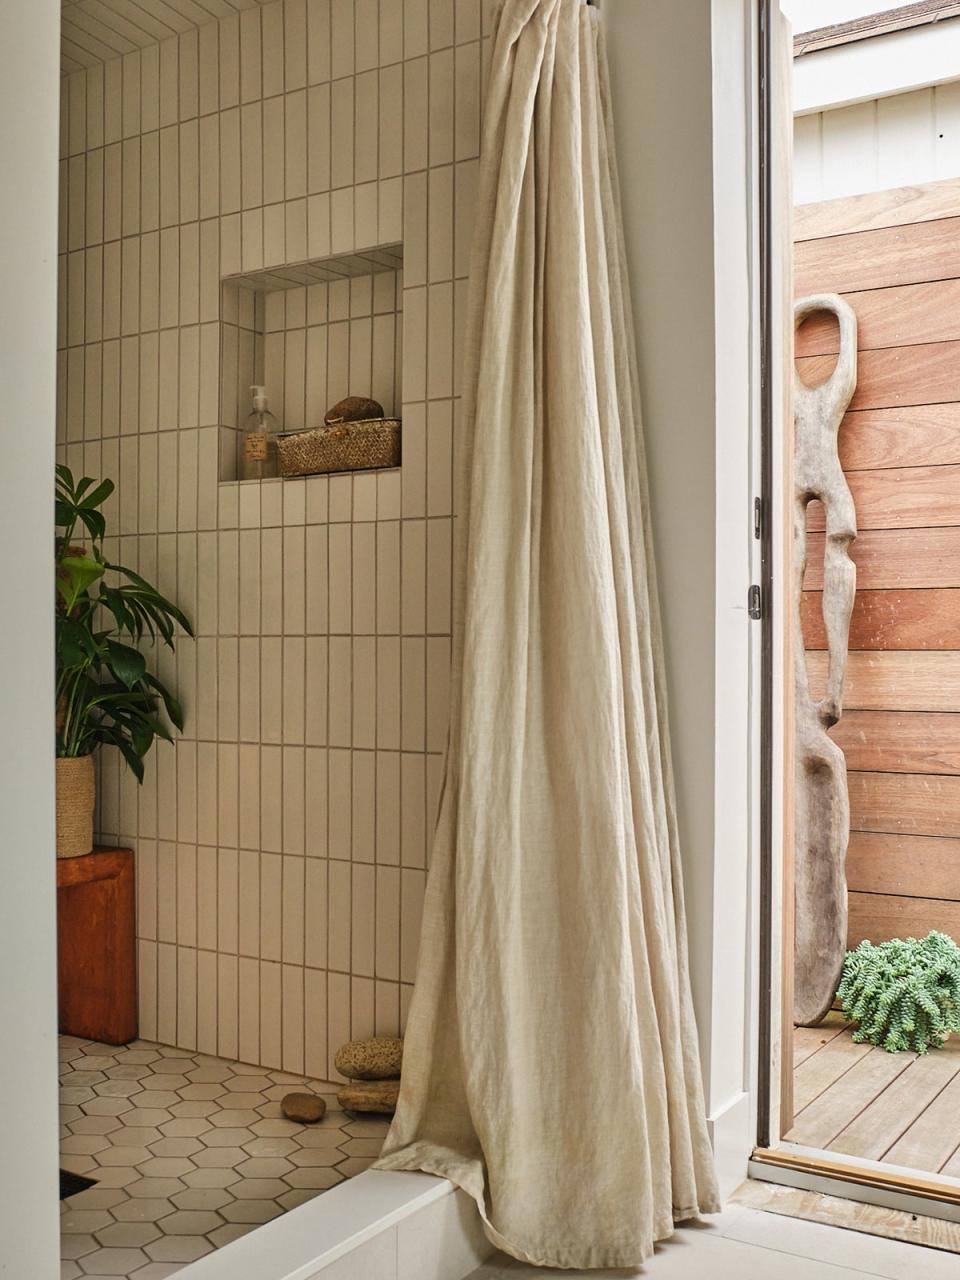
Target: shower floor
(188, 1152)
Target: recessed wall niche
(311, 333)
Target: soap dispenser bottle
(258, 444)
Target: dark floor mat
(71, 1183)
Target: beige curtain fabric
(551, 1065)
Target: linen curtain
(551, 1064)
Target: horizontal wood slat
(895, 256)
(906, 315)
(906, 866)
(893, 680)
(880, 917)
(921, 435)
(878, 259)
(901, 498)
(900, 741)
(887, 558)
(875, 209)
(927, 373)
(922, 618)
(904, 803)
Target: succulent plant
(903, 994)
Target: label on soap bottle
(255, 446)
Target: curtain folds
(551, 1064)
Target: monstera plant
(106, 696)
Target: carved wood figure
(822, 810)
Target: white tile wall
(282, 841)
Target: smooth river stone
(379, 1096)
(354, 409)
(376, 1059)
(305, 1108)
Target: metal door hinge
(754, 604)
(757, 517)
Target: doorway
(847, 1103)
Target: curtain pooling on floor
(551, 1065)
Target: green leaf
(76, 646)
(75, 574)
(98, 496)
(94, 522)
(63, 512)
(105, 694)
(126, 663)
(172, 706)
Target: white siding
(872, 146)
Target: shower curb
(392, 1226)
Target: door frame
(29, 149)
(774, 1159)
(775, 959)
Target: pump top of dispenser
(259, 395)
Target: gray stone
(379, 1058)
(379, 1096)
(353, 409)
(305, 1108)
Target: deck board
(809, 1040)
(873, 1132)
(820, 1123)
(861, 1101)
(934, 1136)
(825, 1068)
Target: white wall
(29, 1234)
(680, 76)
(873, 146)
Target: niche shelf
(311, 333)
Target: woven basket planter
(367, 445)
(76, 794)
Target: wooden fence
(895, 257)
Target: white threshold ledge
(394, 1226)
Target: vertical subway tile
(318, 41)
(315, 1032)
(208, 54)
(416, 32)
(272, 22)
(227, 1006)
(130, 104)
(342, 37)
(229, 62)
(251, 155)
(271, 1054)
(169, 81)
(189, 149)
(250, 55)
(112, 100)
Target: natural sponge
(904, 994)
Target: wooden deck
(859, 1100)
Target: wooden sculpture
(822, 811)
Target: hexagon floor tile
(188, 1152)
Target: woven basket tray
(345, 446)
